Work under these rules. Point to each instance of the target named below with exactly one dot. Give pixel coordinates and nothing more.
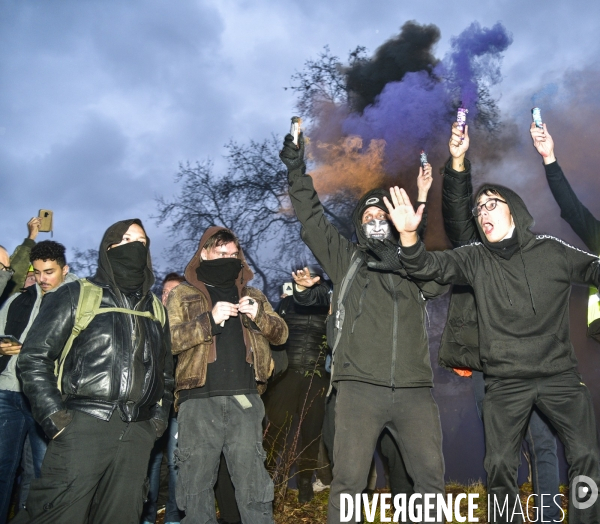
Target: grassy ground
(315, 512)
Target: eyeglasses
(490, 205)
(6, 268)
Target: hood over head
(114, 235)
(521, 217)
(190, 271)
(372, 198)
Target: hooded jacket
(189, 306)
(16, 318)
(384, 340)
(118, 363)
(522, 299)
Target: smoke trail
(475, 59)
(410, 51)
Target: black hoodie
(119, 362)
(522, 300)
(384, 340)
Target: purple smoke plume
(408, 114)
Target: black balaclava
(128, 262)
(220, 272)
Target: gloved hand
(293, 157)
(387, 252)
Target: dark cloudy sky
(101, 100)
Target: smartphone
(9, 339)
(288, 289)
(46, 217)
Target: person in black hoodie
(572, 211)
(117, 389)
(522, 283)
(381, 366)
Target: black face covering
(220, 272)
(128, 262)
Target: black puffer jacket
(307, 328)
(120, 362)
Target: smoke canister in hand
(295, 129)
(423, 158)
(536, 114)
(461, 118)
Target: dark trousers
(17, 424)
(540, 446)
(207, 428)
(362, 412)
(566, 402)
(297, 395)
(399, 479)
(168, 444)
(94, 472)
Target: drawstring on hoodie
(527, 280)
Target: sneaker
(318, 486)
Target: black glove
(387, 252)
(293, 157)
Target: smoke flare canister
(423, 158)
(536, 114)
(295, 128)
(461, 118)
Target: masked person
(381, 367)
(221, 329)
(16, 317)
(522, 284)
(114, 388)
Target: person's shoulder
(184, 289)
(255, 293)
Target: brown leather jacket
(189, 307)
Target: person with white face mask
(381, 367)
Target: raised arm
(572, 210)
(331, 249)
(457, 191)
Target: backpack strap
(355, 263)
(90, 297)
(88, 306)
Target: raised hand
(543, 143)
(458, 146)
(303, 279)
(424, 181)
(405, 218)
(291, 155)
(33, 227)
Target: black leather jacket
(119, 362)
(304, 345)
(106, 369)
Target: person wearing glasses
(461, 336)
(522, 282)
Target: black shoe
(305, 491)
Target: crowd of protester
(101, 381)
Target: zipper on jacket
(394, 330)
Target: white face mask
(378, 229)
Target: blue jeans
(540, 446)
(207, 428)
(16, 422)
(172, 514)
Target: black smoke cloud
(410, 51)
